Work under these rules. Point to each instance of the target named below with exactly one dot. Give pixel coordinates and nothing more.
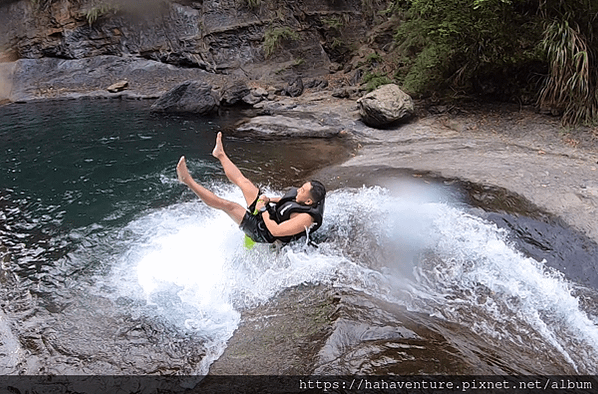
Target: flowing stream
(111, 267)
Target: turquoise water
(77, 164)
(83, 162)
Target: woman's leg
(234, 210)
(250, 191)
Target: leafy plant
(274, 36)
(426, 72)
(371, 61)
(370, 8)
(336, 43)
(375, 79)
(333, 22)
(373, 58)
(548, 48)
(458, 43)
(571, 49)
(98, 10)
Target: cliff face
(243, 37)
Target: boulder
(233, 93)
(295, 87)
(191, 96)
(384, 106)
(316, 84)
(255, 96)
(118, 86)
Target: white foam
(193, 257)
(477, 278)
(197, 254)
(476, 256)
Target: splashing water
(465, 270)
(190, 264)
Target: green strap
(250, 243)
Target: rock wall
(218, 36)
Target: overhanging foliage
(546, 49)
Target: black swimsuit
(254, 226)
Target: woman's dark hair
(318, 191)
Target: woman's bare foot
(218, 151)
(182, 171)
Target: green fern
(336, 43)
(333, 23)
(375, 79)
(99, 10)
(274, 37)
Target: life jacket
(287, 205)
